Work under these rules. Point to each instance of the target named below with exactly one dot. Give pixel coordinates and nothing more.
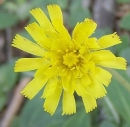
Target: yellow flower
(66, 64)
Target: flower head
(66, 64)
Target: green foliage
(76, 121)
(123, 1)
(15, 122)
(2, 100)
(125, 53)
(125, 22)
(62, 4)
(126, 125)
(75, 10)
(119, 92)
(125, 44)
(33, 115)
(7, 20)
(107, 124)
(7, 80)
(101, 32)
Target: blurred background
(16, 111)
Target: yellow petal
(61, 44)
(92, 43)
(97, 89)
(42, 19)
(52, 34)
(83, 30)
(65, 82)
(68, 83)
(63, 71)
(34, 86)
(57, 20)
(89, 103)
(69, 106)
(80, 89)
(56, 58)
(109, 40)
(117, 63)
(38, 35)
(102, 76)
(50, 87)
(42, 69)
(55, 13)
(26, 64)
(87, 67)
(51, 71)
(85, 80)
(27, 46)
(108, 59)
(52, 101)
(102, 55)
(44, 22)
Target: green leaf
(7, 76)
(61, 3)
(77, 13)
(20, 1)
(23, 10)
(7, 80)
(33, 115)
(128, 70)
(123, 1)
(126, 125)
(10, 6)
(119, 93)
(80, 119)
(101, 32)
(15, 122)
(77, 16)
(125, 53)
(2, 101)
(110, 113)
(7, 20)
(41, 3)
(125, 22)
(125, 43)
(107, 124)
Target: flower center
(70, 59)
